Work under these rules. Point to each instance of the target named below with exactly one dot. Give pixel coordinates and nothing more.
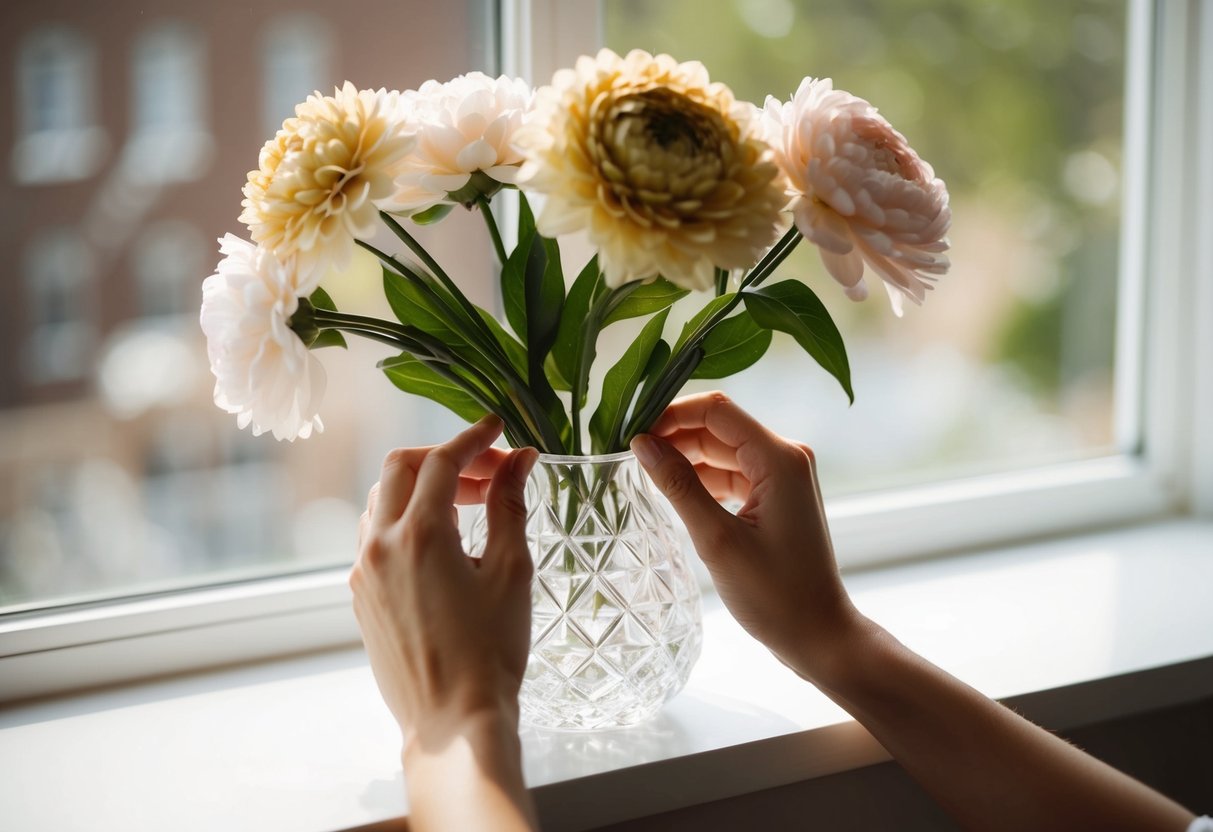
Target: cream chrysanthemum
(662, 168)
(319, 179)
(860, 192)
(263, 372)
(463, 127)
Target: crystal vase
(616, 624)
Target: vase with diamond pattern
(616, 624)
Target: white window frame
(1164, 362)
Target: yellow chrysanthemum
(663, 169)
(318, 180)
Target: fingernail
(647, 449)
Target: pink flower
(859, 191)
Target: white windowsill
(1075, 630)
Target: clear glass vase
(616, 623)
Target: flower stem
(722, 281)
(772, 259)
(603, 306)
(430, 263)
(540, 431)
(433, 354)
(491, 222)
(543, 431)
(682, 363)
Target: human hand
(772, 563)
(447, 635)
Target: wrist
(467, 774)
(482, 728)
(829, 650)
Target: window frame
(1164, 375)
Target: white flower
(463, 127)
(860, 191)
(263, 371)
(665, 170)
(318, 180)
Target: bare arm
(773, 564)
(447, 635)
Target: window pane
(1017, 104)
(118, 475)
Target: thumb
(505, 510)
(675, 477)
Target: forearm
(990, 768)
(472, 780)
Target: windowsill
(1075, 630)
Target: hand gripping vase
(616, 624)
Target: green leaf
(619, 385)
(433, 214)
(732, 345)
(514, 351)
(792, 307)
(660, 390)
(647, 299)
(652, 371)
(571, 340)
(412, 375)
(555, 378)
(415, 307)
(321, 300)
(328, 338)
(513, 273)
(710, 308)
(544, 301)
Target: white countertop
(1076, 630)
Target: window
(59, 288)
(168, 257)
(128, 481)
(1042, 388)
(298, 56)
(1010, 362)
(58, 139)
(169, 139)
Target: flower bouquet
(684, 193)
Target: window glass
(1018, 106)
(118, 475)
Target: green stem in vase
(433, 354)
(538, 429)
(682, 364)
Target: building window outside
(297, 54)
(58, 139)
(112, 308)
(60, 301)
(168, 257)
(169, 140)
